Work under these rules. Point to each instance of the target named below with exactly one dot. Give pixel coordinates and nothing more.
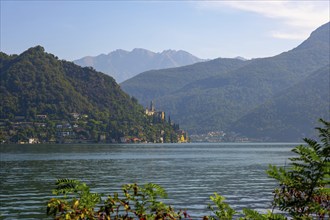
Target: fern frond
(65, 186)
(156, 189)
(253, 215)
(324, 133)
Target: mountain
(293, 113)
(217, 100)
(241, 58)
(36, 83)
(122, 65)
(153, 84)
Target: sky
(206, 29)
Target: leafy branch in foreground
(77, 202)
(137, 202)
(222, 210)
(303, 189)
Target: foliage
(79, 206)
(304, 187)
(304, 191)
(142, 202)
(221, 209)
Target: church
(151, 111)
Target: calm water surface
(190, 173)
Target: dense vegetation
(43, 97)
(292, 113)
(303, 193)
(216, 96)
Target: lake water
(190, 173)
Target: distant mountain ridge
(216, 96)
(122, 64)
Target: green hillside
(293, 113)
(153, 84)
(36, 83)
(216, 102)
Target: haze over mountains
(219, 94)
(122, 64)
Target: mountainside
(216, 101)
(153, 84)
(36, 84)
(122, 65)
(293, 113)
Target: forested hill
(223, 96)
(293, 114)
(37, 83)
(153, 84)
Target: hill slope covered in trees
(293, 113)
(36, 84)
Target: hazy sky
(207, 29)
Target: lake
(190, 173)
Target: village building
(42, 117)
(182, 136)
(75, 115)
(34, 141)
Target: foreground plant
(222, 210)
(77, 202)
(137, 202)
(303, 189)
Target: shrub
(137, 202)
